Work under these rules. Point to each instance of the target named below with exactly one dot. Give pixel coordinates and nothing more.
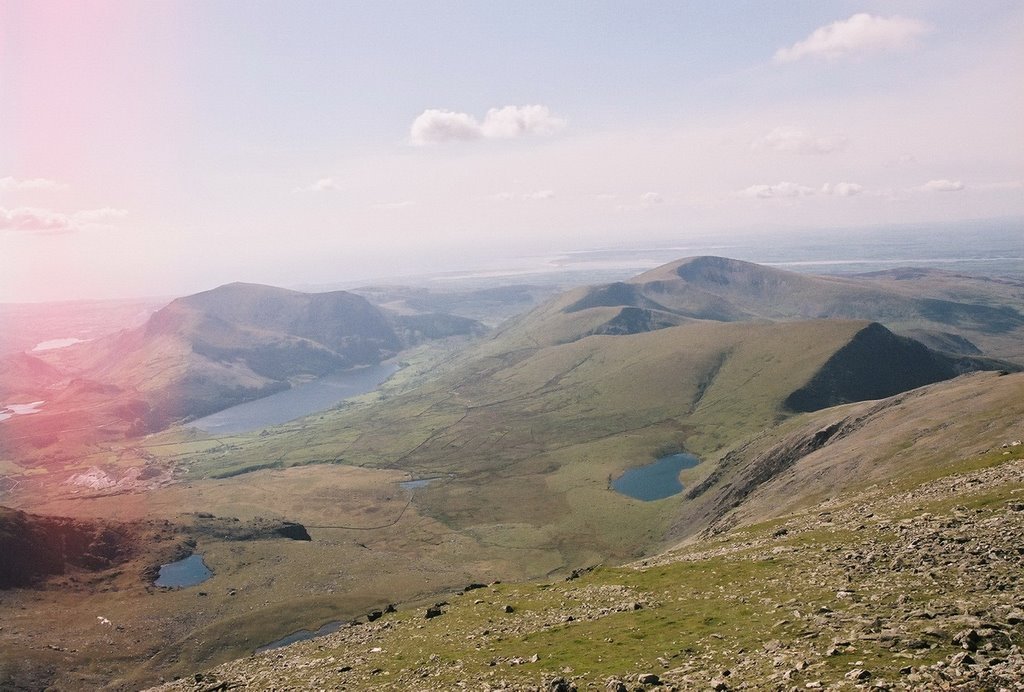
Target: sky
(161, 148)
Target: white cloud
(435, 126)
(395, 205)
(45, 221)
(861, 33)
(793, 140)
(842, 189)
(515, 121)
(540, 194)
(322, 185)
(34, 220)
(11, 183)
(942, 186)
(778, 190)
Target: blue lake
(188, 572)
(299, 401)
(657, 480)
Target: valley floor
(900, 586)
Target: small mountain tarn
(180, 574)
(657, 480)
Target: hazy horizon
(162, 149)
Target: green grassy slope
(527, 441)
(908, 575)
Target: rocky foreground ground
(908, 586)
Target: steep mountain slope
(923, 432)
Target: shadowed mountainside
(37, 547)
(875, 364)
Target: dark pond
(302, 635)
(318, 395)
(188, 572)
(656, 480)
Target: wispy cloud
(395, 205)
(842, 189)
(45, 221)
(860, 34)
(434, 126)
(789, 190)
(537, 195)
(942, 185)
(322, 185)
(794, 140)
(784, 189)
(12, 183)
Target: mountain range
(803, 397)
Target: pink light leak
(88, 72)
(56, 63)
(93, 99)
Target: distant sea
(983, 248)
(992, 248)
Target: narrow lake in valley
(657, 480)
(318, 395)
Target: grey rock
(561, 685)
